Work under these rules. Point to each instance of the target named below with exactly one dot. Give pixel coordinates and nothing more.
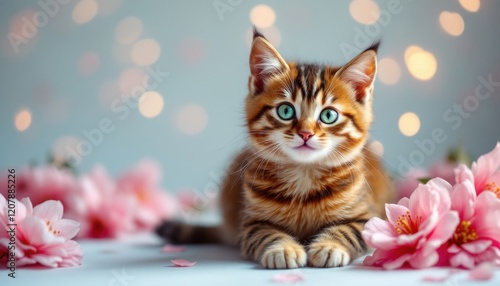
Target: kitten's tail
(182, 233)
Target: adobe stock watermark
(121, 107)
(31, 25)
(120, 278)
(364, 38)
(454, 116)
(221, 7)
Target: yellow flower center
(51, 228)
(406, 224)
(464, 233)
(493, 187)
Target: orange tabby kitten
(303, 189)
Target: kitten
(302, 191)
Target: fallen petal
(173, 249)
(483, 271)
(182, 263)
(287, 278)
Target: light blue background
(310, 30)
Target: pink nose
(306, 135)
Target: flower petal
(49, 211)
(68, 228)
(443, 189)
(463, 197)
(173, 249)
(182, 263)
(405, 202)
(47, 259)
(462, 259)
(486, 165)
(476, 247)
(36, 232)
(421, 260)
(443, 231)
(288, 278)
(394, 211)
(482, 272)
(463, 173)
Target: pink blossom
(482, 272)
(42, 183)
(485, 173)
(444, 169)
(102, 212)
(42, 236)
(408, 184)
(477, 237)
(182, 263)
(416, 228)
(152, 203)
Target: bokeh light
(145, 52)
(132, 80)
(22, 35)
(85, 11)
(191, 119)
(262, 16)
(420, 63)
(128, 30)
(364, 11)
(88, 64)
(150, 104)
(377, 148)
(409, 124)
(389, 71)
(272, 34)
(411, 50)
(452, 23)
(108, 7)
(470, 5)
(22, 120)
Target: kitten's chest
(299, 199)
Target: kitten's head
(307, 113)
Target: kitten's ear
(360, 73)
(265, 62)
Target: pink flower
(443, 169)
(408, 184)
(41, 235)
(152, 203)
(477, 237)
(102, 212)
(415, 229)
(485, 173)
(42, 183)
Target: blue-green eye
(329, 116)
(286, 111)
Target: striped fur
(289, 200)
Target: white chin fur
(306, 156)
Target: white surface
(142, 263)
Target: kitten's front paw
(284, 255)
(327, 255)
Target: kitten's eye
(329, 116)
(286, 111)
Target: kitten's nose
(306, 135)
